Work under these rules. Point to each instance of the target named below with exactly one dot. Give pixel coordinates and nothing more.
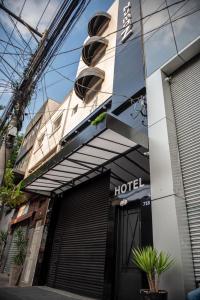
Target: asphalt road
(35, 293)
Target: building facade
(124, 173)
(31, 217)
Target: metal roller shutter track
(79, 245)
(185, 89)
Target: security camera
(168, 79)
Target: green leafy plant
(153, 263)
(21, 244)
(10, 193)
(100, 118)
(3, 236)
(3, 239)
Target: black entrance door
(78, 254)
(128, 277)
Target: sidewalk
(4, 280)
(37, 293)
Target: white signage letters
(127, 23)
(127, 187)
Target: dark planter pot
(147, 295)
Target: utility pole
(20, 20)
(65, 19)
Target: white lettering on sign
(146, 203)
(127, 23)
(127, 187)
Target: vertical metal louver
(77, 260)
(185, 89)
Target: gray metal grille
(12, 252)
(185, 89)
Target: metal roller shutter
(79, 245)
(185, 89)
(12, 251)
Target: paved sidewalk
(4, 280)
(36, 293)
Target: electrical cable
(122, 28)
(154, 30)
(9, 40)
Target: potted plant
(99, 119)
(18, 259)
(153, 263)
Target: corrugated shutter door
(185, 88)
(12, 252)
(79, 245)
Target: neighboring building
(31, 136)
(26, 216)
(130, 180)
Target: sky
(31, 12)
(184, 31)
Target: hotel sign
(127, 23)
(129, 186)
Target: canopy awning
(92, 149)
(94, 49)
(88, 80)
(98, 23)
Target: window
(56, 123)
(74, 110)
(40, 140)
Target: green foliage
(21, 244)
(100, 118)
(153, 263)
(15, 150)
(11, 194)
(3, 237)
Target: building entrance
(132, 220)
(77, 257)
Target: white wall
(107, 65)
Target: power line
(1, 56)
(20, 20)
(122, 28)
(58, 29)
(122, 44)
(9, 40)
(11, 44)
(136, 37)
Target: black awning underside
(89, 79)
(93, 50)
(98, 23)
(92, 151)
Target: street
(39, 293)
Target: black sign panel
(129, 67)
